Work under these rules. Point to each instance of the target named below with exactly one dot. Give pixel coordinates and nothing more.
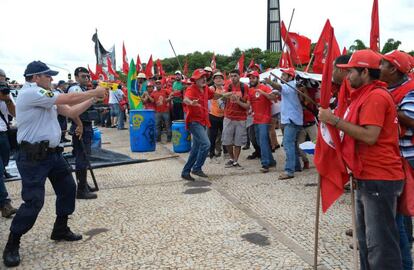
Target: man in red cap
(260, 97)
(197, 120)
(370, 150)
(292, 120)
(394, 69)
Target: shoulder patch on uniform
(44, 92)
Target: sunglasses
(85, 76)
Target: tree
(358, 45)
(390, 45)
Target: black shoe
(8, 175)
(187, 177)
(200, 173)
(85, 195)
(264, 169)
(246, 147)
(11, 256)
(349, 232)
(252, 156)
(65, 140)
(66, 235)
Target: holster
(37, 151)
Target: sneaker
(306, 165)
(252, 156)
(246, 147)
(285, 176)
(200, 173)
(237, 166)
(8, 210)
(229, 164)
(264, 169)
(187, 177)
(349, 232)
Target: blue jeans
(199, 149)
(377, 231)
(4, 160)
(405, 246)
(121, 120)
(34, 174)
(262, 138)
(159, 118)
(289, 144)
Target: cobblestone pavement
(147, 217)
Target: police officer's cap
(80, 69)
(38, 67)
(61, 82)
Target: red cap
(363, 58)
(253, 73)
(290, 71)
(150, 84)
(198, 73)
(399, 59)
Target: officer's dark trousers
(4, 160)
(34, 174)
(79, 152)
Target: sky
(59, 32)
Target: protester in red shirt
(197, 120)
(260, 97)
(148, 101)
(234, 123)
(370, 150)
(161, 98)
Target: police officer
(39, 156)
(82, 78)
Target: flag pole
(354, 237)
(318, 203)
(287, 32)
(310, 61)
(176, 57)
(299, 92)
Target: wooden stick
(318, 203)
(176, 57)
(299, 92)
(354, 232)
(310, 61)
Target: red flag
(240, 64)
(374, 35)
(213, 63)
(285, 61)
(290, 46)
(302, 47)
(139, 65)
(110, 69)
(160, 70)
(251, 65)
(149, 68)
(125, 65)
(328, 155)
(321, 49)
(344, 51)
(100, 73)
(94, 76)
(185, 71)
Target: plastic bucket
(96, 138)
(181, 138)
(142, 130)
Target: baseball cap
(399, 59)
(209, 69)
(177, 72)
(150, 84)
(218, 74)
(141, 76)
(363, 58)
(38, 67)
(198, 73)
(61, 82)
(290, 71)
(256, 74)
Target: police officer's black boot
(61, 231)
(11, 256)
(83, 190)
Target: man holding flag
(370, 150)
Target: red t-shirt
(148, 105)
(382, 160)
(261, 105)
(198, 113)
(232, 110)
(308, 116)
(160, 100)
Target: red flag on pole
(240, 64)
(290, 46)
(125, 65)
(94, 76)
(185, 71)
(149, 72)
(374, 36)
(110, 69)
(285, 61)
(100, 73)
(160, 70)
(139, 65)
(213, 63)
(302, 46)
(321, 49)
(328, 155)
(344, 51)
(251, 65)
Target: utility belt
(38, 151)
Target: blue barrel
(96, 138)
(181, 138)
(142, 130)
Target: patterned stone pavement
(147, 217)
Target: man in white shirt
(114, 98)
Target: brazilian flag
(134, 99)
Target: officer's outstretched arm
(76, 110)
(78, 97)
